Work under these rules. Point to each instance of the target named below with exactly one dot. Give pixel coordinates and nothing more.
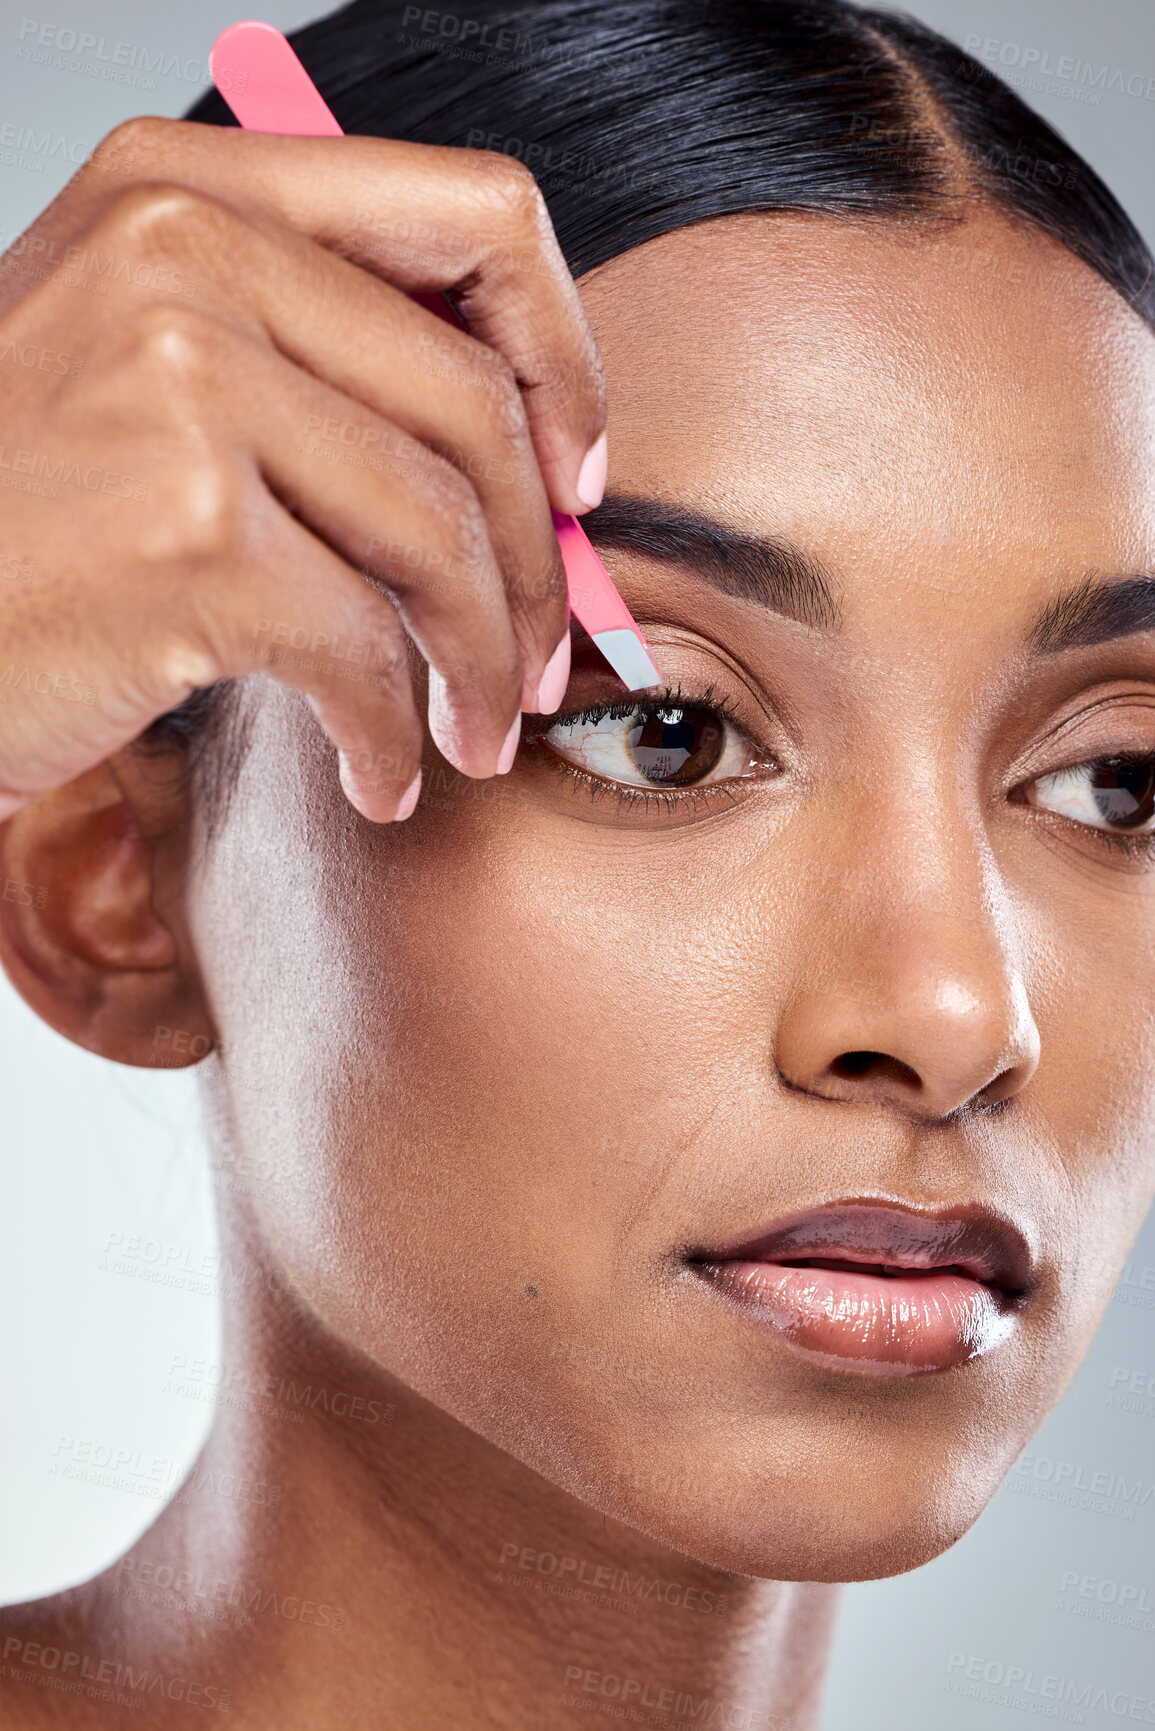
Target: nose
(925, 1017)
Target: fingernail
(555, 678)
(591, 481)
(509, 749)
(408, 800)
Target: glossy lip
(879, 1287)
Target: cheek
(503, 1071)
(515, 1058)
(1092, 992)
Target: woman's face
(871, 983)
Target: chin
(858, 1528)
(831, 1545)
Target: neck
(344, 1552)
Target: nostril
(850, 1066)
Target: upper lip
(972, 1238)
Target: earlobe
(92, 931)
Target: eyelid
(1067, 738)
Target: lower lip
(888, 1325)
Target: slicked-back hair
(642, 116)
(639, 117)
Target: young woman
(691, 1161)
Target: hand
(232, 444)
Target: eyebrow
(771, 570)
(778, 574)
(1095, 611)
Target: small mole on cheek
(530, 1291)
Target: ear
(92, 919)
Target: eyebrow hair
(778, 574)
(771, 570)
(1095, 611)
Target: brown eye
(1109, 793)
(656, 745)
(673, 747)
(1124, 790)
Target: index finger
(482, 232)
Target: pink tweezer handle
(260, 77)
(257, 72)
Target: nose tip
(930, 1051)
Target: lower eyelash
(634, 798)
(1130, 846)
(645, 798)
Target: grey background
(95, 1156)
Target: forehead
(971, 385)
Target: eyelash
(1131, 847)
(641, 798)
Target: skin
(503, 1062)
(220, 378)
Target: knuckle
(175, 344)
(504, 405)
(133, 143)
(179, 664)
(559, 383)
(512, 189)
(159, 217)
(375, 623)
(470, 529)
(207, 519)
(454, 502)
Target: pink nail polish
(509, 749)
(555, 678)
(591, 481)
(408, 800)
